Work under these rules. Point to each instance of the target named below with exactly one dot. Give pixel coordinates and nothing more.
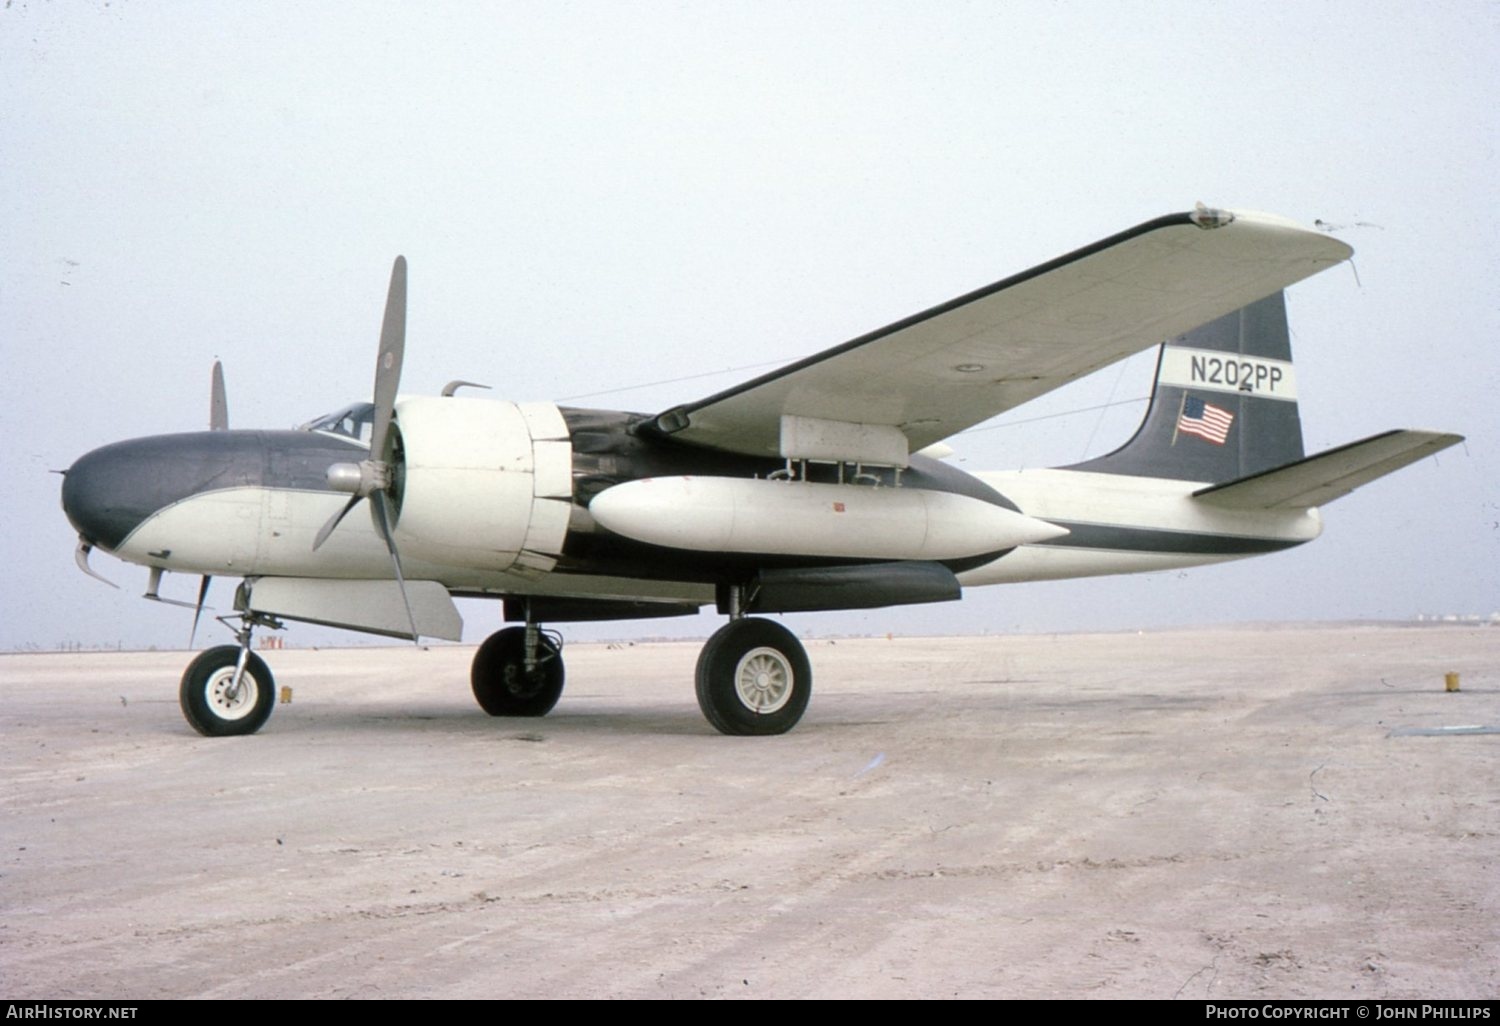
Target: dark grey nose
(110, 491)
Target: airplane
(817, 486)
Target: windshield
(354, 421)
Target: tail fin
(1224, 405)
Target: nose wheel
(753, 678)
(229, 690)
(222, 697)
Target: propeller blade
(378, 501)
(375, 472)
(333, 522)
(388, 364)
(218, 401)
(198, 609)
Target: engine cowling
(482, 483)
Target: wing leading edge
(922, 379)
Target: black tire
(205, 698)
(501, 684)
(753, 678)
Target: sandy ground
(1211, 813)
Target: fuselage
(1121, 524)
(498, 499)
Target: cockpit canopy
(355, 421)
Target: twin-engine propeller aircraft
(818, 486)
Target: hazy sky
(596, 197)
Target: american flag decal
(1204, 420)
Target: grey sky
(600, 195)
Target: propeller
(371, 479)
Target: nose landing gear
(228, 690)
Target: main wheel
(500, 681)
(213, 706)
(753, 678)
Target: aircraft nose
(109, 492)
(100, 494)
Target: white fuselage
(1135, 520)
(1116, 523)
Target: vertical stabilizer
(1224, 404)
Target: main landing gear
(518, 672)
(753, 676)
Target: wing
(922, 379)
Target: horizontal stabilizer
(1330, 475)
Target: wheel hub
(763, 680)
(227, 700)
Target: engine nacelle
(483, 484)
